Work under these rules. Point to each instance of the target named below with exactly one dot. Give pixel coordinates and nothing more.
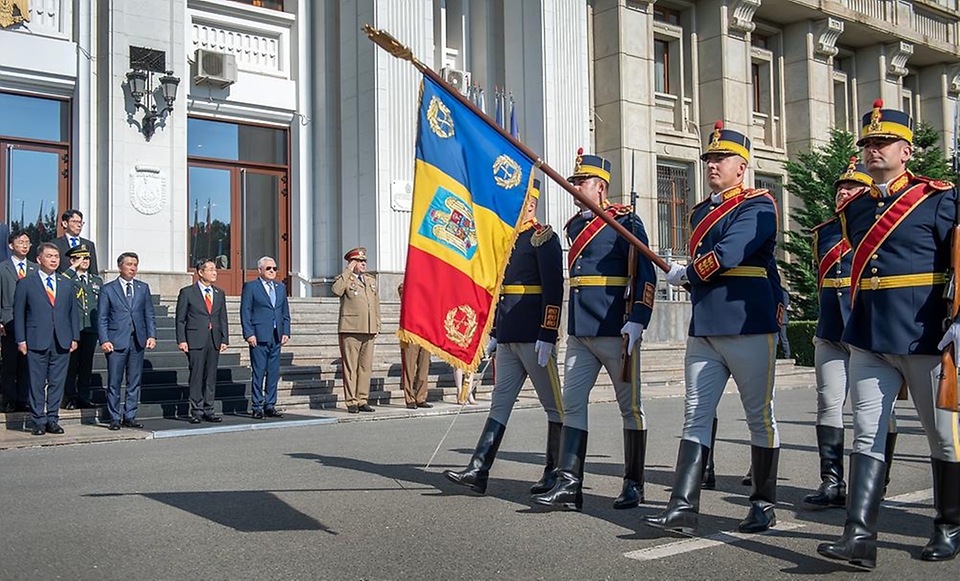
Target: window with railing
(774, 184)
(673, 208)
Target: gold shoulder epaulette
(941, 185)
(755, 193)
(543, 233)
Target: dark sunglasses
(269, 268)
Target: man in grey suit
(13, 376)
(202, 334)
(265, 321)
(46, 325)
(127, 326)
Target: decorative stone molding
(898, 53)
(825, 35)
(741, 15)
(641, 5)
(953, 79)
(148, 189)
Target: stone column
(808, 48)
(880, 72)
(939, 92)
(144, 208)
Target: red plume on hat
(878, 104)
(718, 124)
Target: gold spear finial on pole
(389, 43)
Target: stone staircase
(310, 374)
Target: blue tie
(129, 286)
(273, 294)
(73, 242)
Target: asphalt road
(352, 501)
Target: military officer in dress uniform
(414, 371)
(358, 327)
(87, 289)
(524, 336)
(599, 325)
(833, 256)
(900, 235)
(736, 296)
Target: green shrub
(800, 335)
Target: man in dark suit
(13, 376)
(47, 327)
(265, 321)
(72, 222)
(126, 326)
(202, 334)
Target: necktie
(129, 294)
(272, 293)
(51, 293)
(73, 242)
(83, 279)
(21, 272)
(208, 299)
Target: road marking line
(909, 498)
(688, 545)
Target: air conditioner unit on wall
(459, 80)
(215, 68)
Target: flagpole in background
(387, 42)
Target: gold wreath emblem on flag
(460, 324)
(506, 172)
(441, 122)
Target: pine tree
(810, 179)
(928, 158)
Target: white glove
(633, 331)
(677, 275)
(491, 346)
(543, 350)
(951, 336)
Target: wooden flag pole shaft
(390, 44)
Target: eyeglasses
(269, 268)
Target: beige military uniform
(358, 326)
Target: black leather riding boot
(858, 544)
(549, 477)
(568, 490)
(764, 462)
(833, 490)
(945, 542)
(682, 512)
(634, 456)
(478, 470)
(709, 472)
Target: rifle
(947, 388)
(629, 295)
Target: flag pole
(389, 43)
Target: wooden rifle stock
(947, 389)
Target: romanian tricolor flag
(469, 188)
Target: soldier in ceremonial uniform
(600, 325)
(524, 336)
(358, 327)
(900, 233)
(736, 296)
(833, 255)
(87, 290)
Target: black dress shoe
(366, 408)
(194, 419)
(352, 409)
(131, 424)
(39, 430)
(114, 426)
(424, 405)
(411, 406)
(212, 418)
(272, 413)
(70, 404)
(54, 428)
(85, 404)
(257, 414)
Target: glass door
(265, 232)
(35, 188)
(212, 232)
